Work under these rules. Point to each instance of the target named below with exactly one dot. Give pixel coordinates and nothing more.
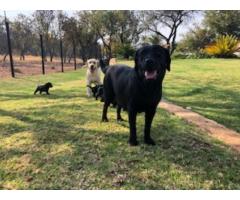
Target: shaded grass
(58, 142)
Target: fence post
(61, 52)
(74, 56)
(9, 48)
(42, 54)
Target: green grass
(210, 87)
(58, 142)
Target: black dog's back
(113, 91)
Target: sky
(11, 14)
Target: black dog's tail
(104, 65)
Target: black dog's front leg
(149, 114)
(104, 113)
(36, 90)
(132, 115)
(47, 92)
(119, 117)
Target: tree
(22, 35)
(106, 26)
(44, 25)
(87, 36)
(155, 21)
(70, 35)
(223, 22)
(3, 36)
(195, 40)
(128, 33)
(128, 27)
(151, 39)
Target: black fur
(103, 63)
(43, 88)
(97, 91)
(137, 89)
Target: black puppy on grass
(43, 88)
(137, 89)
(97, 91)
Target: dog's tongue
(150, 75)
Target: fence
(13, 64)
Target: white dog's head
(92, 65)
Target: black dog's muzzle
(150, 69)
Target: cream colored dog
(93, 74)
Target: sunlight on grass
(20, 141)
(61, 149)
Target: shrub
(223, 47)
(125, 51)
(188, 55)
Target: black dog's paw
(104, 119)
(120, 120)
(133, 142)
(149, 141)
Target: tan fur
(93, 74)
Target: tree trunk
(22, 56)
(5, 56)
(51, 57)
(70, 58)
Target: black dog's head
(151, 62)
(49, 85)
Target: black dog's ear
(136, 59)
(168, 59)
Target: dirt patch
(32, 66)
(214, 129)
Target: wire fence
(61, 58)
(32, 65)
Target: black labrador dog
(137, 89)
(43, 88)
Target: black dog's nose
(149, 62)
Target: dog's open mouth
(150, 75)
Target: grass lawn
(210, 87)
(58, 141)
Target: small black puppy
(97, 91)
(43, 88)
(137, 89)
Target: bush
(125, 51)
(194, 55)
(224, 47)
